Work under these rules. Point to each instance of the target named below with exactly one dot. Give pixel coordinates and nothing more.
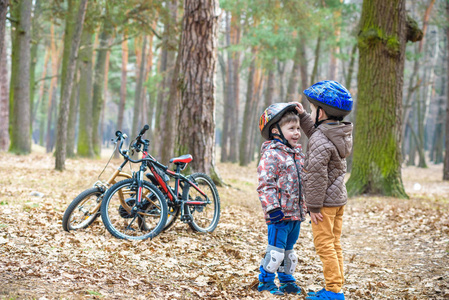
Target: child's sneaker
(269, 286)
(290, 288)
(326, 295)
(316, 293)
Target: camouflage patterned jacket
(279, 180)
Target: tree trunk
(228, 100)
(61, 141)
(167, 66)
(197, 75)
(3, 11)
(416, 66)
(4, 100)
(19, 100)
(40, 99)
(55, 62)
(245, 138)
(446, 155)
(234, 130)
(256, 111)
(313, 77)
(351, 67)
(269, 93)
(85, 132)
(171, 120)
(292, 88)
(377, 157)
(73, 115)
(35, 37)
(98, 88)
(137, 123)
(121, 108)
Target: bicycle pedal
(186, 218)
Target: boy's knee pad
(273, 259)
(290, 262)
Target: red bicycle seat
(182, 159)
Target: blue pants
(282, 235)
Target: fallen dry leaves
(394, 249)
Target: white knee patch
(290, 262)
(273, 259)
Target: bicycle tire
(87, 217)
(173, 215)
(204, 217)
(141, 224)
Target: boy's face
(291, 132)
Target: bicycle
(201, 210)
(85, 208)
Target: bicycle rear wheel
(124, 219)
(205, 216)
(83, 210)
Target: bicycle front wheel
(124, 218)
(203, 204)
(83, 210)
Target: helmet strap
(281, 135)
(317, 122)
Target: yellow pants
(326, 237)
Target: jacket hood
(273, 144)
(340, 135)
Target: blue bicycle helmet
(332, 97)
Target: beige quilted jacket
(325, 164)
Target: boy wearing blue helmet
(330, 142)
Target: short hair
(288, 117)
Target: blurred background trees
(128, 72)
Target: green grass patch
(94, 293)
(4, 202)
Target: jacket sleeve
(316, 175)
(307, 124)
(268, 174)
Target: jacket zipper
(300, 185)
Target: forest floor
(393, 248)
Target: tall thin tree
(61, 141)
(19, 96)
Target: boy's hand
(316, 217)
(299, 107)
(276, 215)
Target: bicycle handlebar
(122, 136)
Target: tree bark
(228, 100)
(446, 155)
(98, 87)
(245, 138)
(293, 83)
(35, 38)
(61, 141)
(137, 123)
(377, 157)
(55, 62)
(234, 130)
(85, 146)
(121, 109)
(4, 101)
(313, 77)
(3, 11)
(197, 81)
(19, 100)
(167, 66)
(73, 115)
